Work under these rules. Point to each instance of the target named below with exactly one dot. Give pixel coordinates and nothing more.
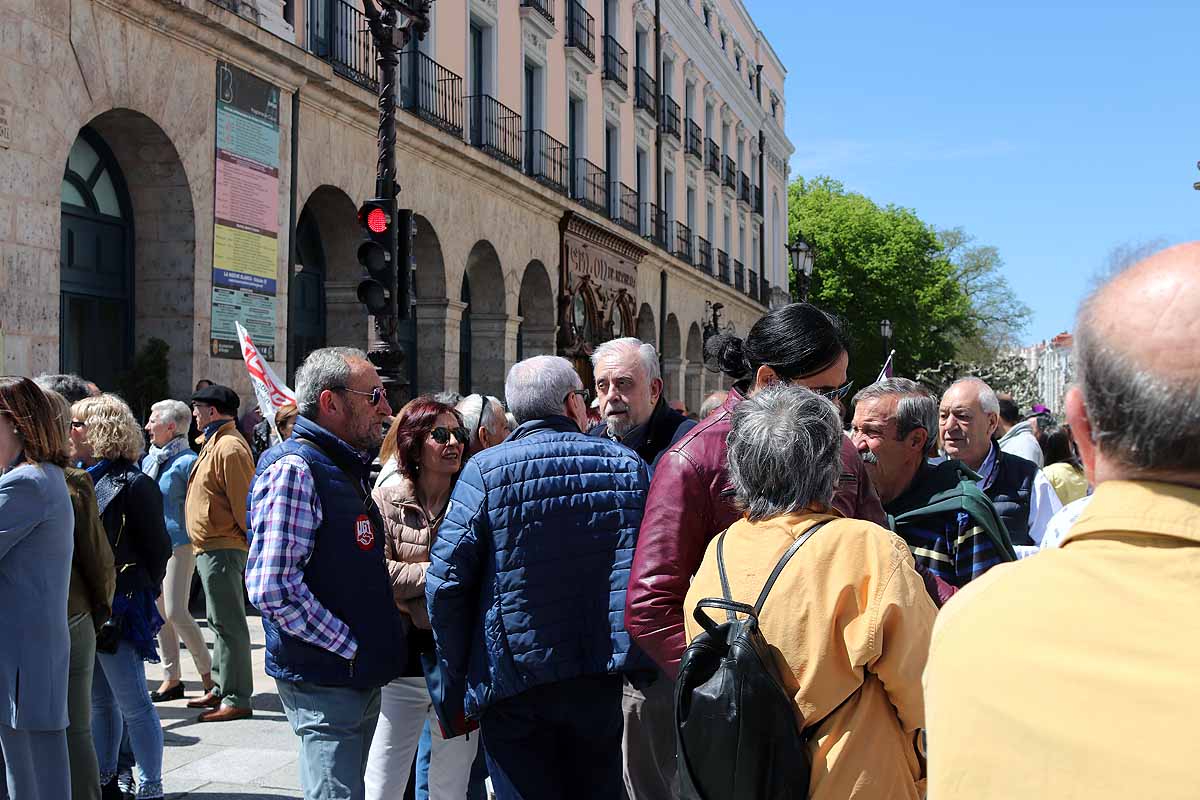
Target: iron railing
(712, 157)
(546, 160)
(739, 276)
(432, 92)
(338, 33)
(764, 291)
(758, 200)
(589, 185)
(670, 117)
(625, 206)
(683, 242)
(543, 7)
(744, 189)
(723, 266)
(704, 255)
(494, 128)
(643, 90)
(616, 63)
(692, 143)
(581, 27)
(752, 285)
(730, 173)
(654, 224)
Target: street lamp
(885, 330)
(803, 257)
(712, 326)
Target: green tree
(998, 318)
(874, 263)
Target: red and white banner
(270, 391)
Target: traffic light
(377, 254)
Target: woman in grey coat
(36, 542)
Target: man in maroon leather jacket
(690, 502)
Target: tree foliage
(1006, 373)
(874, 263)
(145, 383)
(998, 317)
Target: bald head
(1138, 371)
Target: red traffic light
(377, 220)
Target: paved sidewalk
(253, 758)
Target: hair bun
(725, 353)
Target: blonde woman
(107, 441)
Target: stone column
(493, 351)
(693, 394)
(437, 344)
(539, 341)
(346, 320)
(673, 378)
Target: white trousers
(178, 622)
(403, 710)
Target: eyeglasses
(375, 394)
(584, 395)
(839, 393)
(442, 435)
(78, 425)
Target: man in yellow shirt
(1074, 674)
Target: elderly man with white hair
(483, 415)
(968, 417)
(526, 593)
(632, 405)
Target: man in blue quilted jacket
(526, 594)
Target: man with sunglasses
(525, 592)
(317, 571)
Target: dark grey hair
(785, 448)
(537, 387)
(481, 411)
(618, 348)
(71, 387)
(916, 408)
(327, 368)
(1142, 420)
(988, 401)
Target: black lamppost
(712, 326)
(803, 257)
(885, 330)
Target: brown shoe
(210, 700)
(225, 713)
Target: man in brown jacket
(216, 521)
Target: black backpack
(736, 727)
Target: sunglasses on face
(837, 393)
(375, 394)
(442, 435)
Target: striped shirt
(285, 513)
(952, 548)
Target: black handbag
(108, 638)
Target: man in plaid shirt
(316, 571)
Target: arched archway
(429, 322)
(484, 332)
(693, 390)
(536, 333)
(672, 360)
(128, 253)
(647, 331)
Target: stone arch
(672, 360)
(429, 324)
(484, 335)
(535, 306)
(161, 254)
(693, 389)
(647, 330)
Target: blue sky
(1056, 132)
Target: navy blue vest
(1010, 493)
(346, 572)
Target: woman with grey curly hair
(848, 620)
(106, 440)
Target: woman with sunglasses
(422, 456)
(689, 501)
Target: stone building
(170, 166)
(1052, 364)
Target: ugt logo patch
(364, 534)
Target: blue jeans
(335, 725)
(119, 699)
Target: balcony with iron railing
(723, 266)
(752, 285)
(758, 200)
(625, 206)
(730, 173)
(712, 157)
(654, 224)
(431, 92)
(704, 255)
(744, 189)
(495, 129)
(581, 29)
(671, 121)
(683, 242)
(338, 34)
(643, 90)
(739, 276)
(764, 291)
(693, 144)
(589, 185)
(543, 7)
(616, 63)
(546, 160)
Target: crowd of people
(506, 588)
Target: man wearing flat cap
(216, 521)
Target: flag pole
(886, 364)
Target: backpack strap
(725, 593)
(787, 556)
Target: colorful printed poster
(245, 213)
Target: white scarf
(161, 455)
